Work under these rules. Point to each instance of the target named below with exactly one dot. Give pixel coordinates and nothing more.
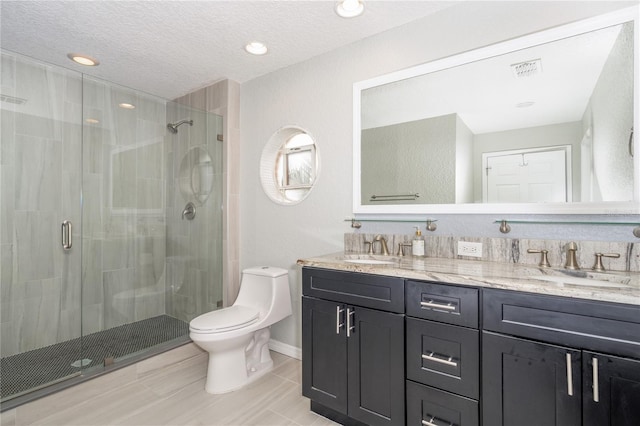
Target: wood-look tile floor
(169, 390)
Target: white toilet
(237, 337)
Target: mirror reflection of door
(527, 176)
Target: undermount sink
(579, 281)
(370, 261)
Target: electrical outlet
(466, 248)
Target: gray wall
(317, 95)
(610, 114)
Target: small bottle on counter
(417, 244)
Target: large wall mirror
(539, 124)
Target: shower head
(173, 127)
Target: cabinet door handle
(431, 357)
(596, 386)
(339, 324)
(67, 241)
(432, 304)
(349, 324)
(569, 376)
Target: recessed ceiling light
(83, 59)
(256, 48)
(126, 105)
(349, 8)
(92, 121)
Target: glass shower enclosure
(100, 264)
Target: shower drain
(81, 363)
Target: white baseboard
(283, 348)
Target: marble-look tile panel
(119, 303)
(92, 212)
(36, 238)
(92, 291)
(7, 203)
(6, 282)
(118, 253)
(7, 133)
(38, 177)
(93, 318)
(39, 318)
(9, 333)
(150, 260)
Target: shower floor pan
(33, 369)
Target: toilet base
(242, 361)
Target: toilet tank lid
(266, 271)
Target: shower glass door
(40, 244)
(99, 264)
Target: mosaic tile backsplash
(508, 250)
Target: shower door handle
(67, 239)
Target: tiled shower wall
(510, 250)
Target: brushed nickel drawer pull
(596, 385)
(349, 324)
(431, 422)
(569, 376)
(338, 323)
(431, 357)
(432, 304)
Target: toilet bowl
(237, 337)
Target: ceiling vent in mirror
(527, 69)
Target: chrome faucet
(571, 262)
(383, 244)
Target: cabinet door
(530, 384)
(324, 353)
(376, 366)
(611, 392)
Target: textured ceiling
(170, 48)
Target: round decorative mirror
(289, 165)
(196, 175)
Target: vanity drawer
(429, 406)
(600, 326)
(444, 356)
(442, 302)
(370, 291)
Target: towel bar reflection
(395, 197)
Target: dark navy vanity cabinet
(353, 346)
(381, 350)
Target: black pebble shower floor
(21, 372)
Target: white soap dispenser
(417, 244)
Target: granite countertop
(619, 287)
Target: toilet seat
(227, 319)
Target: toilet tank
(266, 288)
